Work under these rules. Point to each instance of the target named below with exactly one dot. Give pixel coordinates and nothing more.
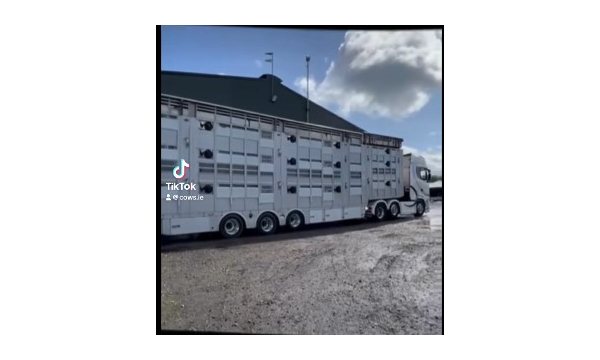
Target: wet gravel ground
(356, 277)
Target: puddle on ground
(433, 219)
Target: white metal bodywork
(336, 175)
(416, 187)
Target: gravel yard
(357, 277)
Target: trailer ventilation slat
(383, 141)
(318, 132)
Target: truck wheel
(294, 220)
(420, 208)
(267, 224)
(394, 211)
(231, 226)
(379, 212)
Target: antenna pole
(307, 86)
(272, 61)
(272, 65)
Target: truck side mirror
(291, 189)
(337, 144)
(292, 161)
(207, 189)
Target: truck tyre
(394, 211)
(294, 220)
(231, 226)
(267, 224)
(420, 208)
(379, 213)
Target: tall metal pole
(272, 65)
(307, 86)
(272, 61)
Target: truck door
(422, 175)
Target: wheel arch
(292, 210)
(390, 202)
(374, 204)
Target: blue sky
(389, 104)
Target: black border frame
(161, 331)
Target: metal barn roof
(251, 94)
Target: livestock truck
(227, 170)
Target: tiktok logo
(179, 171)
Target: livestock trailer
(225, 169)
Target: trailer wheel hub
(232, 226)
(266, 224)
(295, 220)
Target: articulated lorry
(227, 170)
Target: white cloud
(258, 63)
(382, 73)
(221, 73)
(326, 59)
(300, 83)
(432, 158)
(433, 133)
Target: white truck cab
(416, 187)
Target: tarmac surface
(354, 277)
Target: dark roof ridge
(236, 77)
